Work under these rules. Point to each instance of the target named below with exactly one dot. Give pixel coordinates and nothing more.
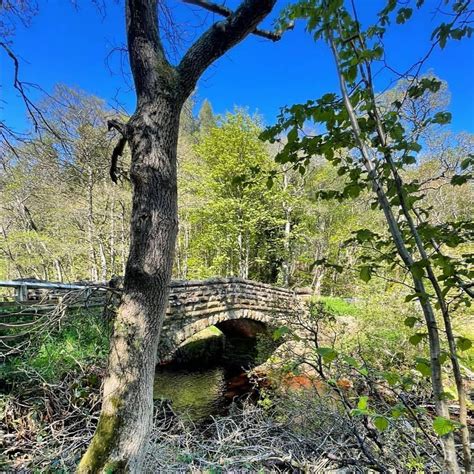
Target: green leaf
(410, 321)
(398, 410)
(459, 179)
(416, 338)
(280, 332)
(292, 135)
(380, 422)
(447, 396)
(363, 402)
(409, 160)
(403, 15)
(442, 118)
(363, 235)
(327, 353)
(443, 357)
(352, 190)
(463, 343)
(466, 163)
(351, 361)
(423, 366)
(421, 296)
(443, 426)
(391, 377)
(417, 269)
(365, 273)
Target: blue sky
(71, 45)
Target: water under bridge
(234, 305)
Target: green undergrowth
(338, 306)
(79, 341)
(54, 379)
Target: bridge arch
(171, 342)
(196, 305)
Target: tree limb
(151, 70)
(33, 111)
(226, 12)
(118, 149)
(218, 39)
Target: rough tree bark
(152, 133)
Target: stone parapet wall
(194, 298)
(193, 304)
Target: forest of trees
(361, 199)
(63, 219)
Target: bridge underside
(242, 327)
(233, 322)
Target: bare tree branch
(226, 12)
(219, 38)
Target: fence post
(21, 293)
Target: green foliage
(70, 223)
(463, 343)
(444, 426)
(81, 341)
(328, 354)
(238, 223)
(381, 422)
(372, 141)
(280, 332)
(338, 306)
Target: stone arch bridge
(234, 305)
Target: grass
(338, 306)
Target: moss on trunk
(95, 458)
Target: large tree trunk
(119, 442)
(127, 406)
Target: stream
(208, 376)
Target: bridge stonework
(196, 305)
(193, 305)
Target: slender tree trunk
(10, 255)
(335, 274)
(242, 246)
(441, 406)
(90, 226)
(465, 436)
(59, 272)
(285, 266)
(123, 239)
(247, 254)
(187, 231)
(103, 262)
(458, 378)
(112, 250)
(318, 275)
